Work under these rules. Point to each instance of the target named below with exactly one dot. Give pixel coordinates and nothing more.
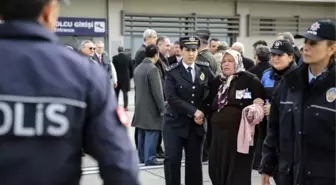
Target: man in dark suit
(124, 68)
(150, 37)
(102, 58)
(177, 57)
(184, 127)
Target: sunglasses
(92, 48)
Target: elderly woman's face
(228, 65)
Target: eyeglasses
(92, 48)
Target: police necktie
(190, 76)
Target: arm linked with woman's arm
(270, 145)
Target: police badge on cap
(190, 42)
(320, 30)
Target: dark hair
(120, 49)
(177, 43)
(151, 51)
(259, 42)
(214, 39)
(330, 43)
(21, 9)
(160, 39)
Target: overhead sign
(81, 26)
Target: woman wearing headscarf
(233, 91)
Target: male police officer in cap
(206, 56)
(53, 104)
(204, 53)
(300, 142)
(186, 87)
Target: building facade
(122, 22)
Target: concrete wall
(179, 7)
(85, 8)
(306, 10)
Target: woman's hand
(258, 101)
(267, 108)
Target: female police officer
(300, 143)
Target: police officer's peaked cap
(203, 34)
(282, 46)
(190, 42)
(320, 30)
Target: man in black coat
(150, 37)
(248, 63)
(124, 68)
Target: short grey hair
(263, 53)
(149, 33)
(288, 36)
(240, 46)
(81, 46)
(100, 42)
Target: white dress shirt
(193, 73)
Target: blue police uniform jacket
(185, 97)
(271, 77)
(53, 104)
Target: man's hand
(259, 101)
(199, 114)
(265, 179)
(115, 85)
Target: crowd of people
(215, 104)
(200, 97)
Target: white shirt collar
(186, 66)
(311, 76)
(178, 58)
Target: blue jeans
(147, 142)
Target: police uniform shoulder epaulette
(171, 67)
(202, 63)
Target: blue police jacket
(53, 104)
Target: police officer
(300, 142)
(186, 87)
(53, 103)
(204, 53)
(206, 56)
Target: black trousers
(174, 145)
(125, 95)
(207, 142)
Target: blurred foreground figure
(53, 104)
(300, 143)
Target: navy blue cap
(282, 46)
(320, 30)
(190, 42)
